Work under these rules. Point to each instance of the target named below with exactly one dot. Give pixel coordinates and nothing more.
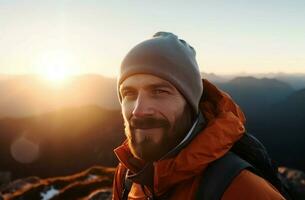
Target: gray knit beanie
(169, 58)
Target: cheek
(126, 110)
(172, 111)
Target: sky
(76, 37)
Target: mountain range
(47, 131)
(60, 142)
(24, 95)
(30, 95)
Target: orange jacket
(181, 174)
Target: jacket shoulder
(248, 185)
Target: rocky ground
(95, 184)
(295, 181)
(92, 184)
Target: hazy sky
(93, 36)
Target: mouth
(147, 123)
(153, 134)
(147, 130)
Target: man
(176, 124)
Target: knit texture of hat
(169, 58)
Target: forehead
(143, 80)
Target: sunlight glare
(56, 67)
(56, 74)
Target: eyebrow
(159, 85)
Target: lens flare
(24, 150)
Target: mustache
(148, 123)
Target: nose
(142, 107)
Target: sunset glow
(56, 66)
(56, 75)
(94, 36)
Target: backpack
(247, 153)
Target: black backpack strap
(218, 176)
(127, 186)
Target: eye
(128, 93)
(160, 91)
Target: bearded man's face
(156, 115)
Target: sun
(56, 74)
(56, 66)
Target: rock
(101, 194)
(93, 183)
(295, 181)
(5, 178)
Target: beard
(150, 138)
